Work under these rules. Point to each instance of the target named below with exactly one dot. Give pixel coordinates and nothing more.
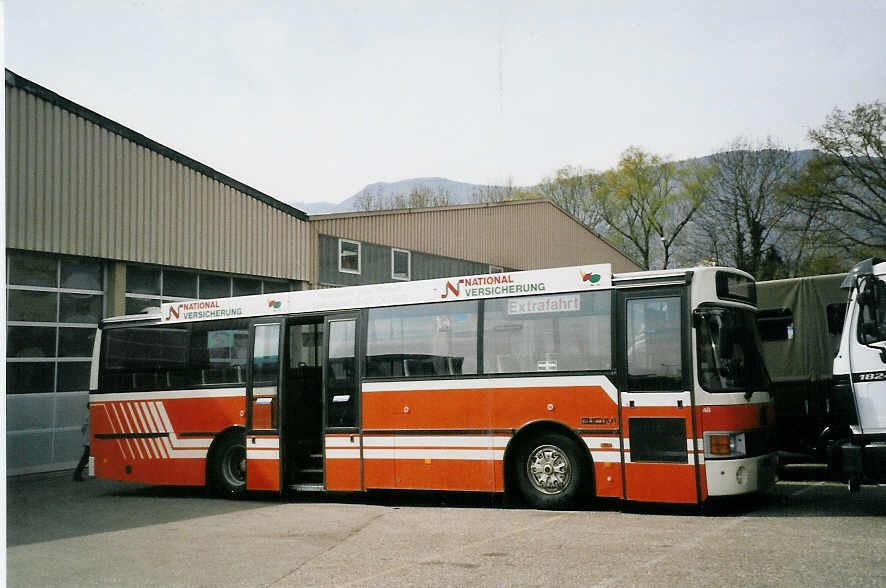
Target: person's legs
(84, 459)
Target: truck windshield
(729, 352)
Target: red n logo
(452, 289)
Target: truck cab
(859, 455)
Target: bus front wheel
(550, 470)
(227, 466)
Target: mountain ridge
(458, 192)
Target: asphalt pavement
(103, 533)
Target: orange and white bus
(547, 384)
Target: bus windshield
(729, 351)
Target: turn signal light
(724, 444)
(720, 444)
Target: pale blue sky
(311, 101)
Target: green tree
(647, 201)
(577, 191)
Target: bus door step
(307, 487)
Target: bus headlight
(722, 445)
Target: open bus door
(660, 463)
(263, 406)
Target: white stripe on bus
(127, 429)
(263, 443)
(142, 411)
(598, 442)
(658, 399)
(119, 445)
(262, 454)
(140, 428)
(454, 441)
(606, 456)
(342, 454)
(493, 383)
(168, 395)
(453, 454)
(343, 442)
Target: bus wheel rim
(234, 465)
(549, 469)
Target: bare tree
(419, 197)
(745, 215)
(506, 193)
(846, 181)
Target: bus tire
(227, 466)
(550, 470)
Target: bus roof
(475, 287)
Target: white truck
(859, 453)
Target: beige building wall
(529, 234)
(80, 184)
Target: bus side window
(654, 344)
(341, 373)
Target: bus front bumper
(728, 477)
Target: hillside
(458, 192)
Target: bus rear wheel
(227, 466)
(550, 469)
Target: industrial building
(103, 221)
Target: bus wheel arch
(554, 447)
(226, 463)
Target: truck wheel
(227, 466)
(549, 470)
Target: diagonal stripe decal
(152, 428)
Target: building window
(54, 304)
(348, 256)
(150, 286)
(214, 286)
(274, 286)
(246, 287)
(496, 269)
(400, 264)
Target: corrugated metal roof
(80, 184)
(17, 81)
(525, 234)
